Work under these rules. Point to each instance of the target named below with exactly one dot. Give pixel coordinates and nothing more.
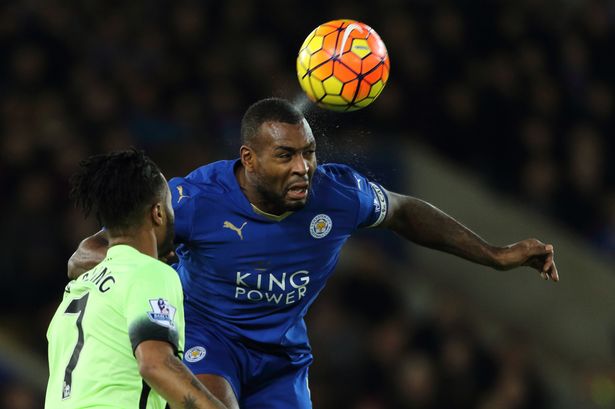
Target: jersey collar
(274, 217)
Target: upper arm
(91, 251)
(151, 354)
(414, 219)
(423, 223)
(395, 215)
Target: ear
(157, 214)
(248, 157)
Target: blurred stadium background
(499, 112)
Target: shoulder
(349, 187)
(339, 174)
(212, 172)
(342, 178)
(337, 185)
(216, 177)
(156, 272)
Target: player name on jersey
(101, 278)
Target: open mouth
(297, 191)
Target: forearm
(90, 252)
(179, 387)
(424, 224)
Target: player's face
(167, 230)
(285, 164)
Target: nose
(300, 165)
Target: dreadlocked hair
(117, 187)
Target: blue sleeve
(371, 200)
(183, 195)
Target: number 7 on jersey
(76, 306)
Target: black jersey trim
(146, 330)
(145, 390)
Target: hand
(532, 253)
(168, 258)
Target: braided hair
(118, 187)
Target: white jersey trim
(380, 202)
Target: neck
(142, 240)
(248, 187)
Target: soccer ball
(343, 65)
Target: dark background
(519, 92)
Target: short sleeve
(154, 307)
(368, 198)
(183, 196)
(373, 204)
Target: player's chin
(166, 245)
(295, 203)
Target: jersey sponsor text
(284, 288)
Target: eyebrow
(291, 149)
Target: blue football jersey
(251, 275)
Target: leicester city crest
(195, 354)
(321, 226)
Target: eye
(309, 152)
(284, 155)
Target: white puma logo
(236, 229)
(347, 32)
(180, 190)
